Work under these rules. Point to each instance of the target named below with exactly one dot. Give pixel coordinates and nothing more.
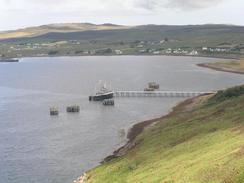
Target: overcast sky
(23, 13)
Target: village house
(162, 42)
(193, 52)
(217, 49)
(204, 48)
(168, 51)
(140, 46)
(118, 52)
(142, 51)
(156, 52)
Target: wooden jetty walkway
(159, 93)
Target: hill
(58, 28)
(108, 39)
(201, 141)
(189, 35)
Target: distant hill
(186, 35)
(56, 28)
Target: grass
(203, 145)
(231, 65)
(63, 27)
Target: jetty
(152, 90)
(73, 109)
(108, 102)
(54, 111)
(161, 93)
(152, 86)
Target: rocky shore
(81, 179)
(139, 127)
(184, 106)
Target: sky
(16, 14)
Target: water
(37, 148)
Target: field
(202, 143)
(236, 66)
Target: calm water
(37, 148)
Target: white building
(162, 42)
(193, 52)
(204, 48)
(156, 52)
(169, 51)
(118, 52)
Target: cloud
(67, 5)
(22, 13)
(176, 4)
(192, 4)
(146, 4)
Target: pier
(108, 102)
(54, 111)
(73, 109)
(160, 93)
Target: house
(168, 51)
(118, 52)
(86, 52)
(140, 46)
(176, 52)
(204, 48)
(162, 42)
(142, 51)
(222, 49)
(156, 52)
(185, 52)
(193, 52)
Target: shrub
(227, 94)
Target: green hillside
(188, 35)
(204, 143)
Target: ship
(9, 60)
(103, 94)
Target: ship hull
(101, 97)
(9, 60)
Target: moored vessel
(9, 60)
(102, 94)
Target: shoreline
(138, 128)
(147, 55)
(220, 69)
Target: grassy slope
(233, 65)
(205, 144)
(58, 28)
